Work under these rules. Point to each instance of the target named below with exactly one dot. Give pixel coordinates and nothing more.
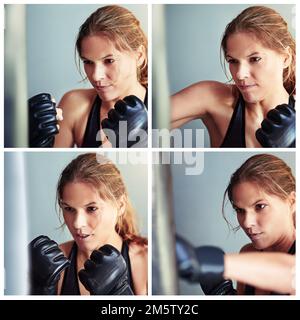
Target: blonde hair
(106, 178)
(272, 30)
(120, 26)
(268, 172)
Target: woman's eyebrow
(86, 205)
(253, 204)
(90, 203)
(64, 203)
(248, 56)
(252, 54)
(105, 57)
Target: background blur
(30, 209)
(193, 37)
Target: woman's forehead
(243, 41)
(97, 42)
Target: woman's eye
(86, 62)
(109, 61)
(232, 61)
(255, 59)
(239, 210)
(92, 209)
(260, 206)
(68, 209)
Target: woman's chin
(258, 245)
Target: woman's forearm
(268, 271)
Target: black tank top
(70, 284)
(91, 137)
(249, 290)
(235, 135)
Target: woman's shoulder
(213, 87)
(138, 250)
(66, 247)
(214, 93)
(76, 105)
(77, 98)
(138, 254)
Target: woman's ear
(292, 201)
(122, 205)
(140, 55)
(287, 57)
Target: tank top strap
(125, 254)
(70, 284)
(235, 134)
(91, 133)
(292, 101)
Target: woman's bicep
(194, 102)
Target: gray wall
(198, 203)
(193, 34)
(51, 35)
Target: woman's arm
(265, 270)
(139, 266)
(197, 101)
(65, 138)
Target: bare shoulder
(212, 89)
(76, 99)
(138, 251)
(66, 247)
(248, 248)
(200, 99)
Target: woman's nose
(98, 73)
(249, 220)
(242, 71)
(79, 220)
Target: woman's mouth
(103, 88)
(255, 236)
(247, 87)
(83, 237)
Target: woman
(261, 56)
(262, 192)
(107, 255)
(113, 49)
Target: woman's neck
(261, 107)
(284, 243)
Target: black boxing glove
(105, 273)
(46, 263)
(204, 265)
(278, 129)
(128, 120)
(42, 121)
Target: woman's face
(90, 219)
(266, 219)
(112, 73)
(256, 70)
